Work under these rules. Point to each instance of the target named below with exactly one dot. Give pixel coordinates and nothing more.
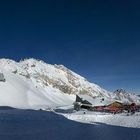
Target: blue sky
(97, 39)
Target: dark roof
(78, 99)
(86, 102)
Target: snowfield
(132, 121)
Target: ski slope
(20, 92)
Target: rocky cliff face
(58, 76)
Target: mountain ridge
(49, 85)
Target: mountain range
(34, 84)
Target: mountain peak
(126, 97)
(56, 84)
(121, 90)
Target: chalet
(114, 107)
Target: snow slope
(20, 92)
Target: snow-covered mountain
(126, 97)
(35, 84)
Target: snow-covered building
(81, 103)
(96, 104)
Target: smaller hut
(80, 103)
(2, 78)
